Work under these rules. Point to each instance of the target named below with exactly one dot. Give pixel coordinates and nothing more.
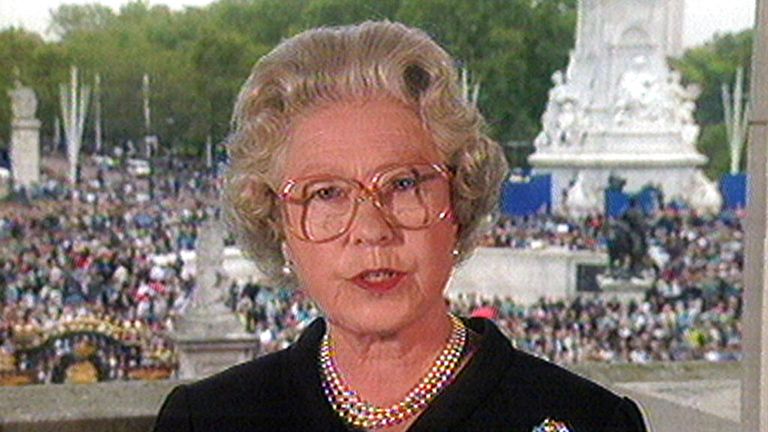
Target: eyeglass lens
(411, 197)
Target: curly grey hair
(352, 62)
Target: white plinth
(25, 151)
(210, 340)
(200, 357)
(523, 275)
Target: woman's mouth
(379, 280)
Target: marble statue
(704, 195)
(23, 101)
(563, 120)
(580, 201)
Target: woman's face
(375, 278)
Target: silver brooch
(551, 425)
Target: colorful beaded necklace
(362, 414)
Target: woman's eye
(327, 193)
(404, 183)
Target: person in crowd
(360, 175)
(92, 253)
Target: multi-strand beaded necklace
(362, 414)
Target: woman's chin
(373, 321)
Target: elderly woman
(361, 176)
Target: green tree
(486, 38)
(713, 64)
(261, 21)
(140, 39)
(713, 143)
(69, 19)
(48, 69)
(710, 66)
(198, 58)
(340, 12)
(510, 48)
(222, 61)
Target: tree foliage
(198, 58)
(713, 64)
(70, 19)
(710, 66)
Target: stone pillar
(25, 137)
(208, 337)
(754, 393)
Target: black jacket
(500, 389)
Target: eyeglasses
(322, 208)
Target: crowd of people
(276, 316)
(692, 312)
(116, 251)
(691, 255)
(103, 251)
(546, 230)
(604, 330)
(658, 328)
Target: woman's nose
(370, 226)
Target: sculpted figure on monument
(683, 98)
(704, 196)
(690, 134)
(683, 105)
(562, 121)
(558, 90)
(549, 118)
(569, 124)
(645, 98)
(23, 101)
(639, 95)
(580, 200)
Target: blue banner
(616, 203)
(527, 196)
(733, 187)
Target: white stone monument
(619, 109)
(25, 136)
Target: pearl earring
(287, 264)
(287, 270)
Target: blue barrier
(733, 188)
(616, 203)
(530, 196)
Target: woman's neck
(383, 368)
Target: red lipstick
(378, 281)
